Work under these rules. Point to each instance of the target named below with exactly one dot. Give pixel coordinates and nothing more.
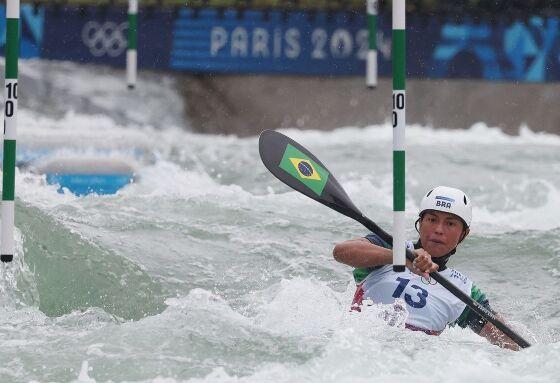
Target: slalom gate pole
(399, 124)
(10, 129)
(371, 71)
(131, 53)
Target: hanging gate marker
(399, 124)
(371, 65)
(131, 53)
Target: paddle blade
(298, 168)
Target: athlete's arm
(481, 326)
(360, 252)
(496, 337)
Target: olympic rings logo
(103, 39)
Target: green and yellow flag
(304, 169)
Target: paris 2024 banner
(298, 42)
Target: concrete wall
(245, 105)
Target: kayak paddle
(298, 168)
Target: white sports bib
(430, 305)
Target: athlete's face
(440, 232)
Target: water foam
(297, 329)
(62, 86)
(543, 217)
(477, 134)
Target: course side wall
(245, 105)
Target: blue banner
(273, 42)
(336, 44)
(31, 26)
(100, 35)
(522, 50)
(299, 42)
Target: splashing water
(207, 269)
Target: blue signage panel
(31, 21)
(300, 42)
(273, 42)
(99, 35)
(336, 44)
(521, 50)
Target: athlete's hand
(422, 264)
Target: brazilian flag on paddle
(304, 169)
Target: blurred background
(244, 66)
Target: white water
(210, 270)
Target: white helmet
(449, 200)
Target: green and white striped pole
(371, 71)
(399, 123)
(10, 127)
(131, 54)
